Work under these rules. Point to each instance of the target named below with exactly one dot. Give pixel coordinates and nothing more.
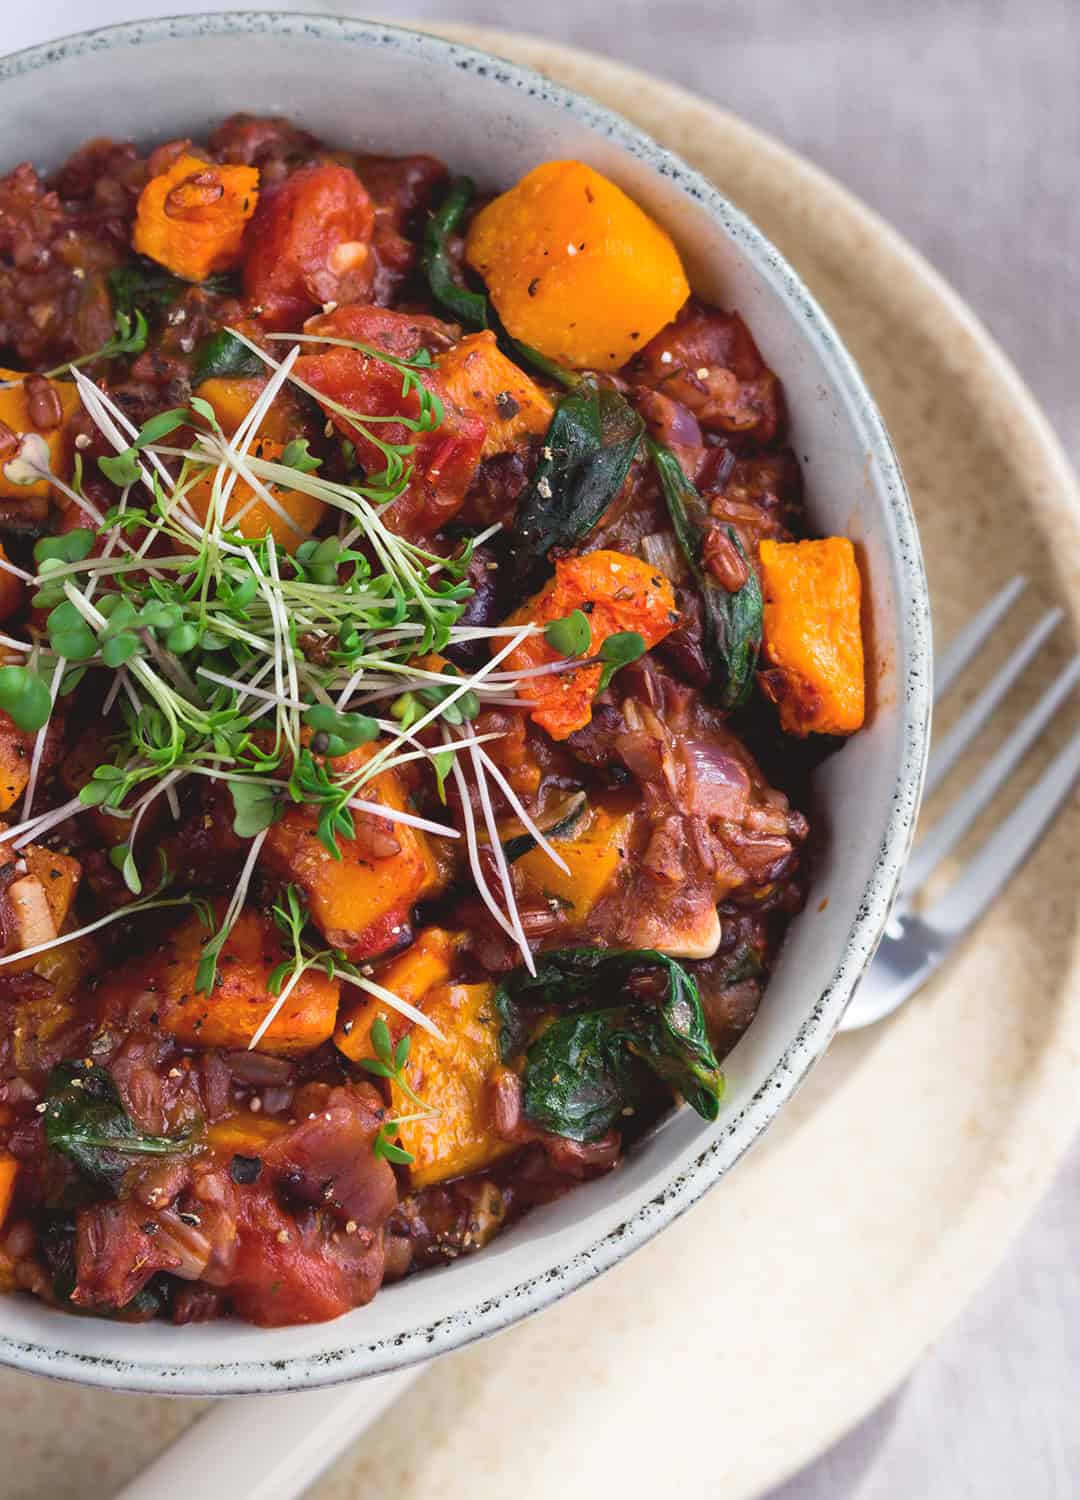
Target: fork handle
(268, 1447)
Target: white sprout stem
(31, 828)
(505, 878)
(516, 804)
(164, 785)
(114, 691)
(282, 699)
(394, 1001)
(275, 1009)
(81, 932)
(474, 851)
(10, 567)
(463, 687)
(410, 820)
(113, 421)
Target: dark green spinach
(587, 1067)
(473, 309)
(149, 287)
(85, 1120)
(221, 356)
(469, 308)
(733, 621)
(588, 449)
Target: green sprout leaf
(338, 733)
(571, 635)
(25, 697)
(255, 806)
(70, 547)
(296, 456)
(618, 651)
(69, 634)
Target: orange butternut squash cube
(16, 750)
(9, 1170)
(596, 854)
(427, 963)
(811, 635)
(290, 520)
(482, 381)
(617, 593)
(191, 218)
(15, 413)
(361, 903)
(575, 267)
(455, 1078)
(59, 875)
(232, 1013)
(243, 1134)
(232, 397)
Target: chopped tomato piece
(443, 460)
(309, 244)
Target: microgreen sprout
(251, 664)
(571, 635)
(389, 1063)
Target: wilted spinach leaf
(85, 1120)
(470, 308)
(143, 284)
(473, 309)
(588, 449)
(733, 620)
(222, 356)
(585, 1068)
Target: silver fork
(916, 943)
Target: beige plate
(782, 1308)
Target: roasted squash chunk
(231, 1014)
(575, 267)
(38, 903)
(596, 854)
(9, 1170)
(232, 397)
(290, 520)
(244, 1134)
(191, 218)
(617, 593)
(360, 902)
(455, 1078)
(481, 379)
(59, 877)
(811, 636)
(15, 414)
(16, 750)
(427, 963)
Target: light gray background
(959, 121)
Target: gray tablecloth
(959, 121)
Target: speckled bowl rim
(490, 1315)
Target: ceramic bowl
(391, 90)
